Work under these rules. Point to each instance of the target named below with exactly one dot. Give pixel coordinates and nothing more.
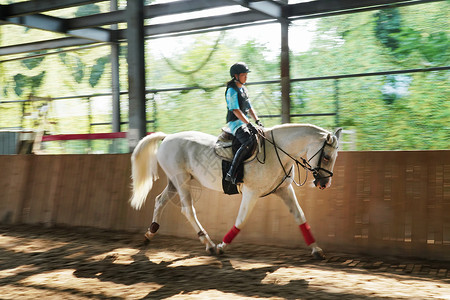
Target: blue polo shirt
(233, 103)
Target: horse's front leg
(248, 202)
(288, 196)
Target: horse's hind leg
(188, 210)
(160, 202)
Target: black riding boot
(237, 160)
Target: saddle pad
(228, 187)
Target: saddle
(225, 147)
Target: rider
(239, 107)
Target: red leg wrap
(306, 231)
(228, 238)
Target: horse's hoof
(219, 251)
(211, 250)
(145, 242)
(220, 248)
(149, 235)
(319, 255)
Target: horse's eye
(326, 158)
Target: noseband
(319, 168)
(303, 163)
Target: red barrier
(87, 136)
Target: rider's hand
(252, 128)
(260, 127)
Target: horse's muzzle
(322, 183)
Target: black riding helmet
(239, 68)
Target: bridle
(305, 164)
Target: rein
(304, 164)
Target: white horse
(190, 155)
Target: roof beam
(269, 8)
(33, 7)
(200, 23)
(320, 7)
(44, 45)
(72, 26)
(39, 22)
(58, 25)
(153, 31)
(150, 11)
(178, 7)
(109, 18)
(95, 34)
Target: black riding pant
(247, 140)
(245, 137)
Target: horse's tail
(144, 168)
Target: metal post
(155, 113)
(89, 141)
(22, 121)
(115, 81)
(89, 106)
(336, 100)
(136, 72)
(285, 74)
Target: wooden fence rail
(381, 203)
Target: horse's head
(323, 159)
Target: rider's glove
(258, 122)
(252, 128)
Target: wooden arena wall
(380, 203)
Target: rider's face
(242, 78)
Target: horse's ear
(338, 133)
(330, 139)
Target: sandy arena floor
(63, 263)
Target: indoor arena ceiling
(95, 28)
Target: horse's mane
(298, 125)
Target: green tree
(387, 112)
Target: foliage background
(404, 111)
